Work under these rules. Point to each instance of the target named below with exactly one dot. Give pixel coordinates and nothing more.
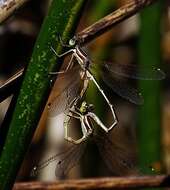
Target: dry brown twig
(112, 19)
(8, 7)
(100, 183)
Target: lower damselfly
(119, 159)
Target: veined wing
(134, 71)
(61, 102)
(123, 89)
(112, 75)
(118, 159)
(70, 159)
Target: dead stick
(112, 19)
(8, 7)
(100, 183)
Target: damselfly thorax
(81, 57)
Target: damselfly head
(34, 171)
(85, 107)
(73, 41)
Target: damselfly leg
(85, 116)
(85, 126)
(69, 65)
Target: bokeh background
(141, 139)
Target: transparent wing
(134, 71)
(59, 105)
(62, 101)
(36, 169)
(70, 159)
(123, 89)
(118, 159)
(112, 75)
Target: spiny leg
(63, 54)
(70, 64)
(86, 132)
(107, 100)
(66, 124)
(83, 127)
(98, 121)
(90, 130)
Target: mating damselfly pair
(73, 106)
(109, 71)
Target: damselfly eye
(34, 171)
(91, 107)
(72, 41)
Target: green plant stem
(62, 19)
(149, 133)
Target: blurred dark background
(17, 38)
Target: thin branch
(7, 7)
(112, 20)
(100, 183)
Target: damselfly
(119, 159)
(109, 71)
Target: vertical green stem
(149, 117)
(62, 19)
